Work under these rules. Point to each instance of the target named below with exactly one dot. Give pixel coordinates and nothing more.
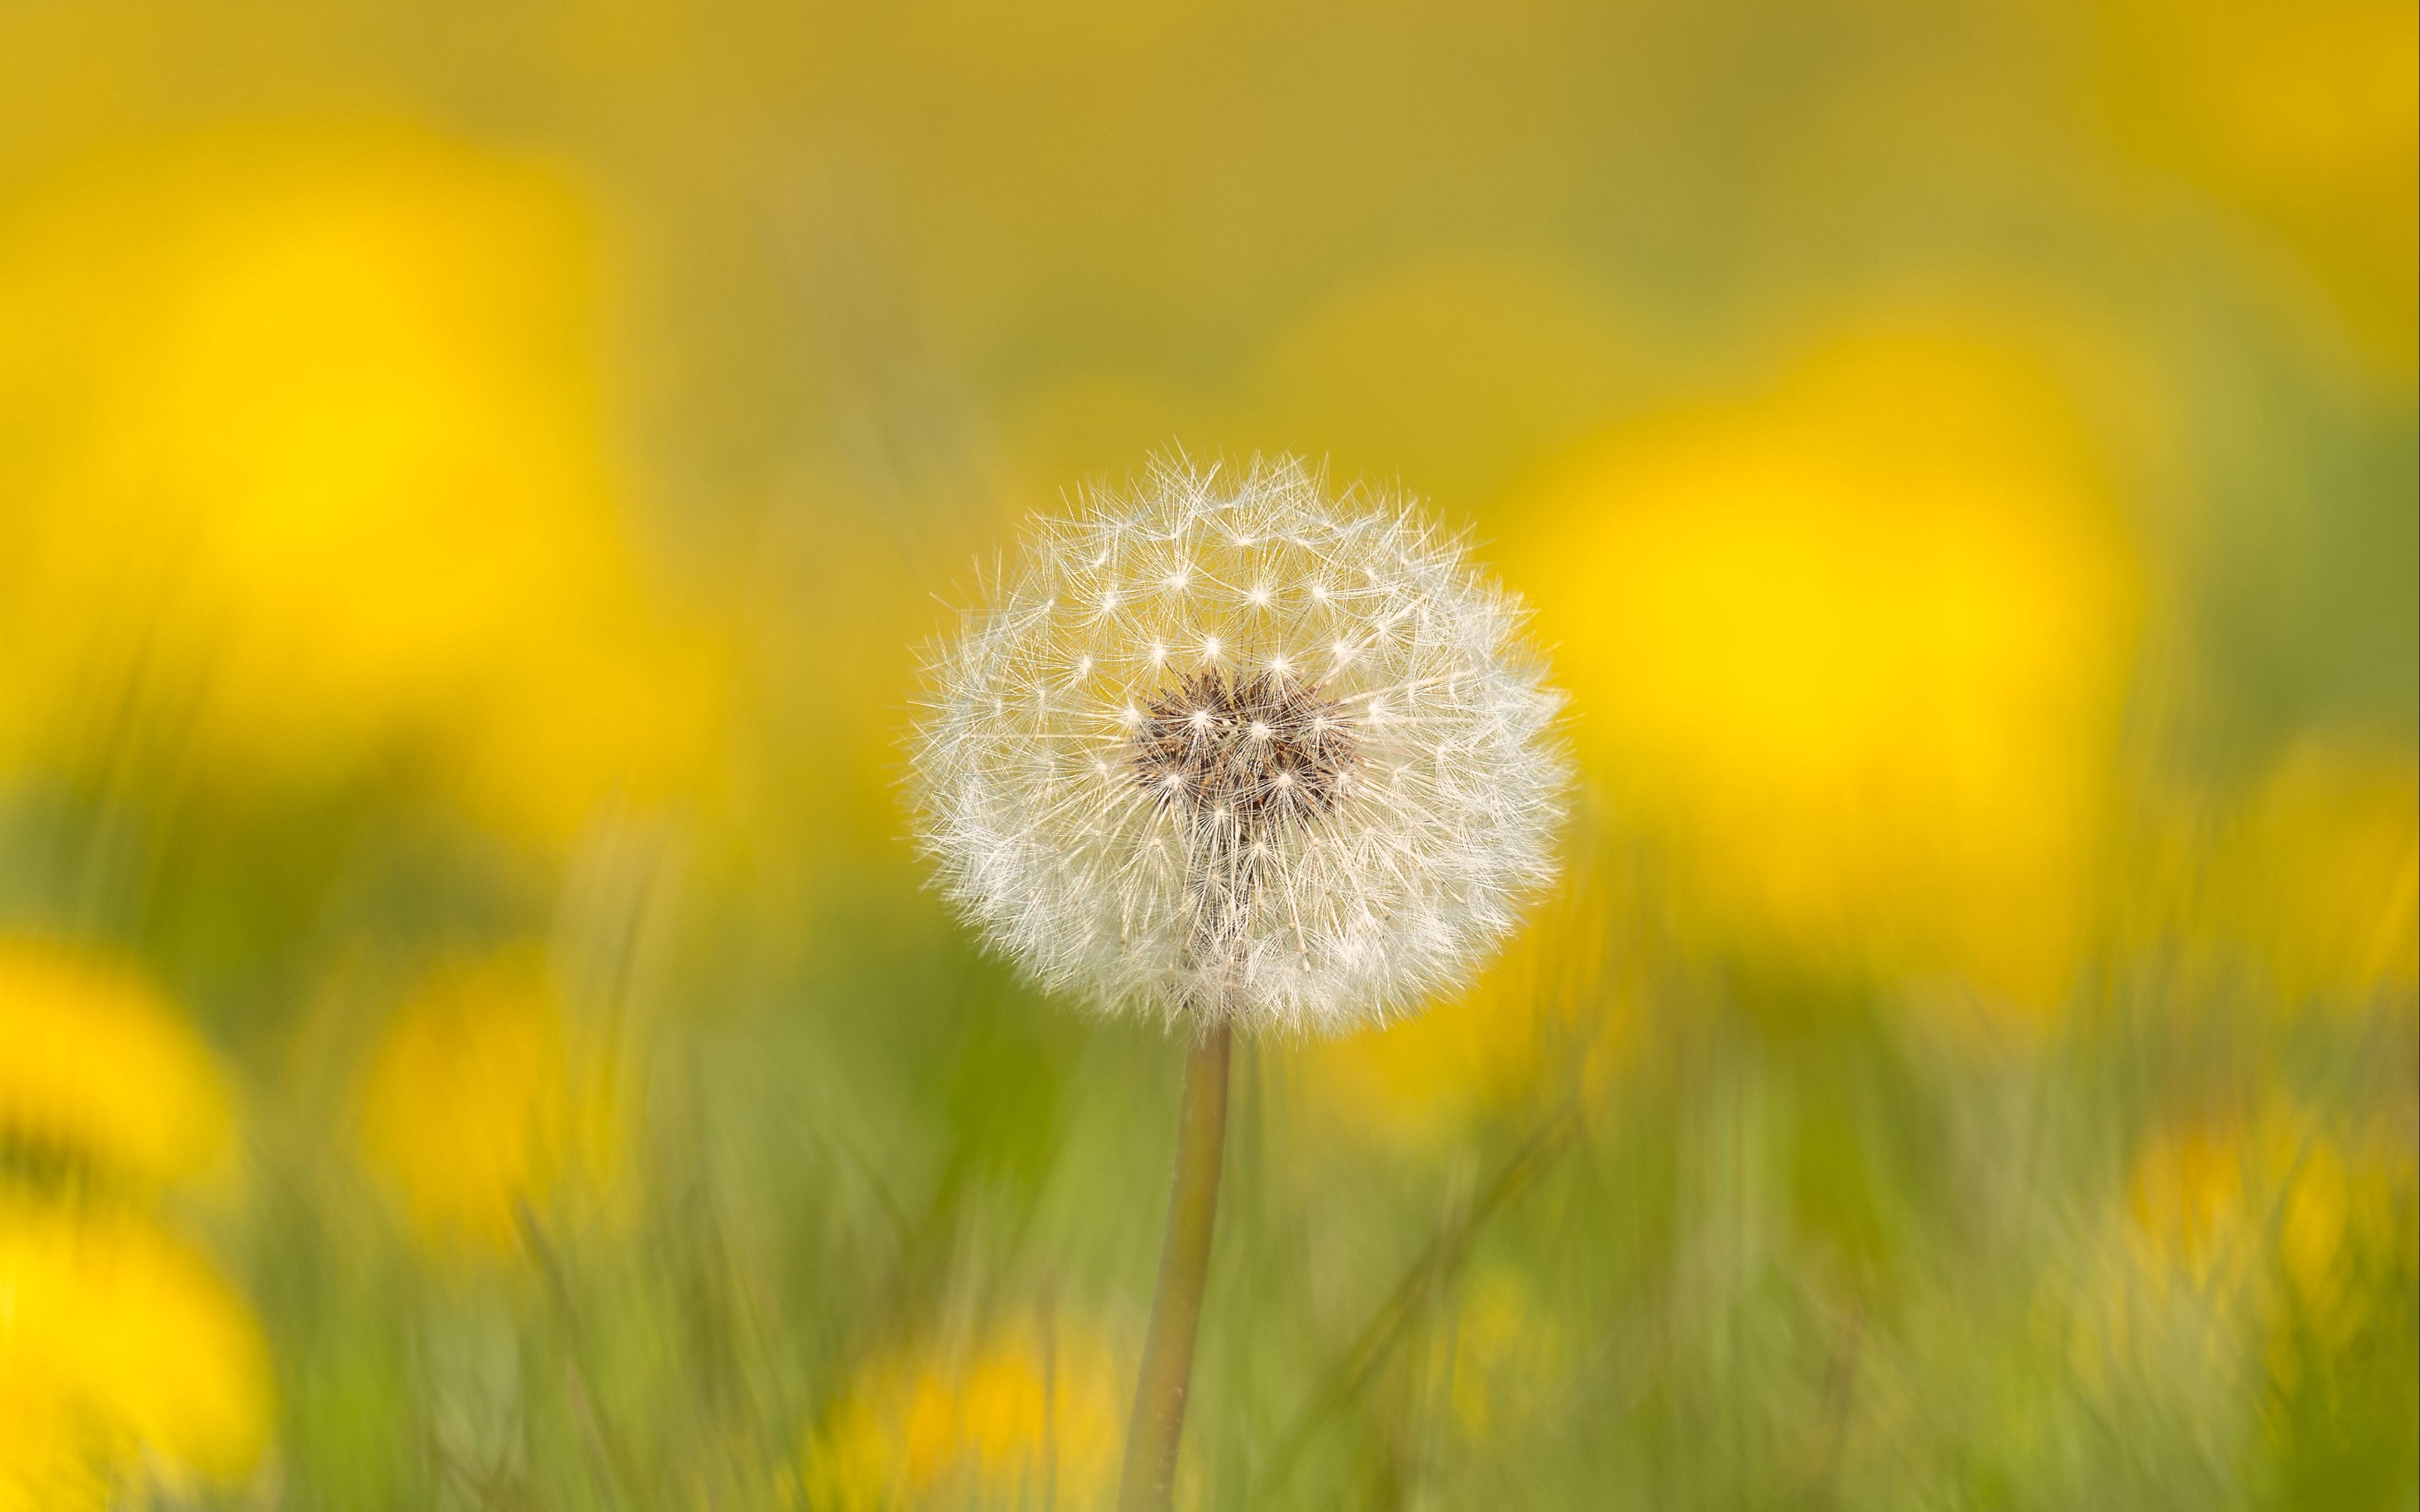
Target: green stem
(1158, 1425)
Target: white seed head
(1332, 813)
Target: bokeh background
(474, 479)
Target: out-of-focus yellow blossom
(2187, 1198)
(2327, 871)
(307, 467)
(2165, 1292)
(127, 1357)
(2307, 117)
(1024, 1416)
(2253, 1217)
(1855, 648)
(44, 1466)
(479, 1100)
(98, 1070)
(2351, 1216)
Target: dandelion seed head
(1333, 813)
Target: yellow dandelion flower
(2152, 1298)
(478, 1099)
(127, 1355)
(2329, 871)
(317, 465)
(1855, 648)
(2187, 1199)
(1024, 1418)
(44, 1466)
(2347, 1214)
(2239, 1229)
(98, 1069)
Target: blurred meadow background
(474, 479)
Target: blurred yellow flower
(310, 469)
(122, 1358)
(479, 1100)
(2327, 870)
(2277, 1209)
(1854, 647)
(98, 1070)
(2187, 1198)
(1026, 1415)
(2162, 1291)
(2351, 1235)
(43, 1463)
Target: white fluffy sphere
(1224, 747)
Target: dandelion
(127, 1365)
(124, 1358)
(375, 513)
(99, 1073)
(1021, 1415)
(1228, 751)
(1863, 690)
(477, 1105)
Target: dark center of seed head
(1259, 755)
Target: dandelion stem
(1158, 1425)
